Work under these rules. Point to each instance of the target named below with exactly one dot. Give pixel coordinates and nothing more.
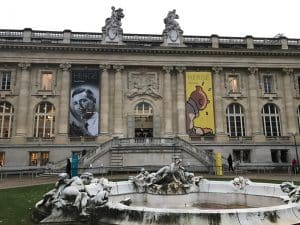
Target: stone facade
(144, 68)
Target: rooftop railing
(213, 41)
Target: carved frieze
(143, 84)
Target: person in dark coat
(229, 160)
(68, 167)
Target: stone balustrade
(213, 41)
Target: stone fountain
(169, 196)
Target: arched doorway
(143, 120)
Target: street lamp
(295, 143)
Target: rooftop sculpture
(112, 29)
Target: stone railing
(213, 41)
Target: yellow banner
(199, 104)
(219, 169)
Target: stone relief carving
(146, 84)
(292, 190)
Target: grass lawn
(16, 203)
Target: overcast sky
(238, 18)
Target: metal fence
(241, 170)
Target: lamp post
(295, 143)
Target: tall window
(233, 83)
(298, 117)
(2, 159)
(279, 155)
(5, 77)
(235, 120)
(271, 120)
(6, 119)
(268, 84)
(47, 79)
(242, 155)
(44, 120)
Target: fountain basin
(264, 201)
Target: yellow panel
(200, 105)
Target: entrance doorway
(143, 120)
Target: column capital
(217, 69)
(167, 69)
(288, 71)
(24, 66)
(180, 69)
(252, 70)
(104, 67)
(65, 66)
(118, 68)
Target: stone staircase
(117, 147)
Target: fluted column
(22, 109)
(289, 102)
(104, 104)
(219, 111)
(181, 121)
(253, 101)
(64, 103)
(168, 101)
(118, 103)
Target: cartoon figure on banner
(197, 102)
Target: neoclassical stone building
(142, 86)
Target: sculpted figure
(47, 203)
(171, 23)
(240, 182)
(75, 196)
(113, 24)
(292, 190)
(173, 172)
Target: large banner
(199, 104)
(84, 103)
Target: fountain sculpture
(170, 195)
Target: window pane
(47, 81)
(44, 120)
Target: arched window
(235, 119)
(143, 120)
(143, 108)
(6, 119)
(44, 120)
(298, 117)
(271, 120)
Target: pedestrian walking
(229, 160)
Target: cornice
(110, 49)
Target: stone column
(254, 114)
(104, 104)
(181, 121)
(219, 109)
(64, 104)
(118, 101)
(168, 101)
(23, 100)
(290, 117)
